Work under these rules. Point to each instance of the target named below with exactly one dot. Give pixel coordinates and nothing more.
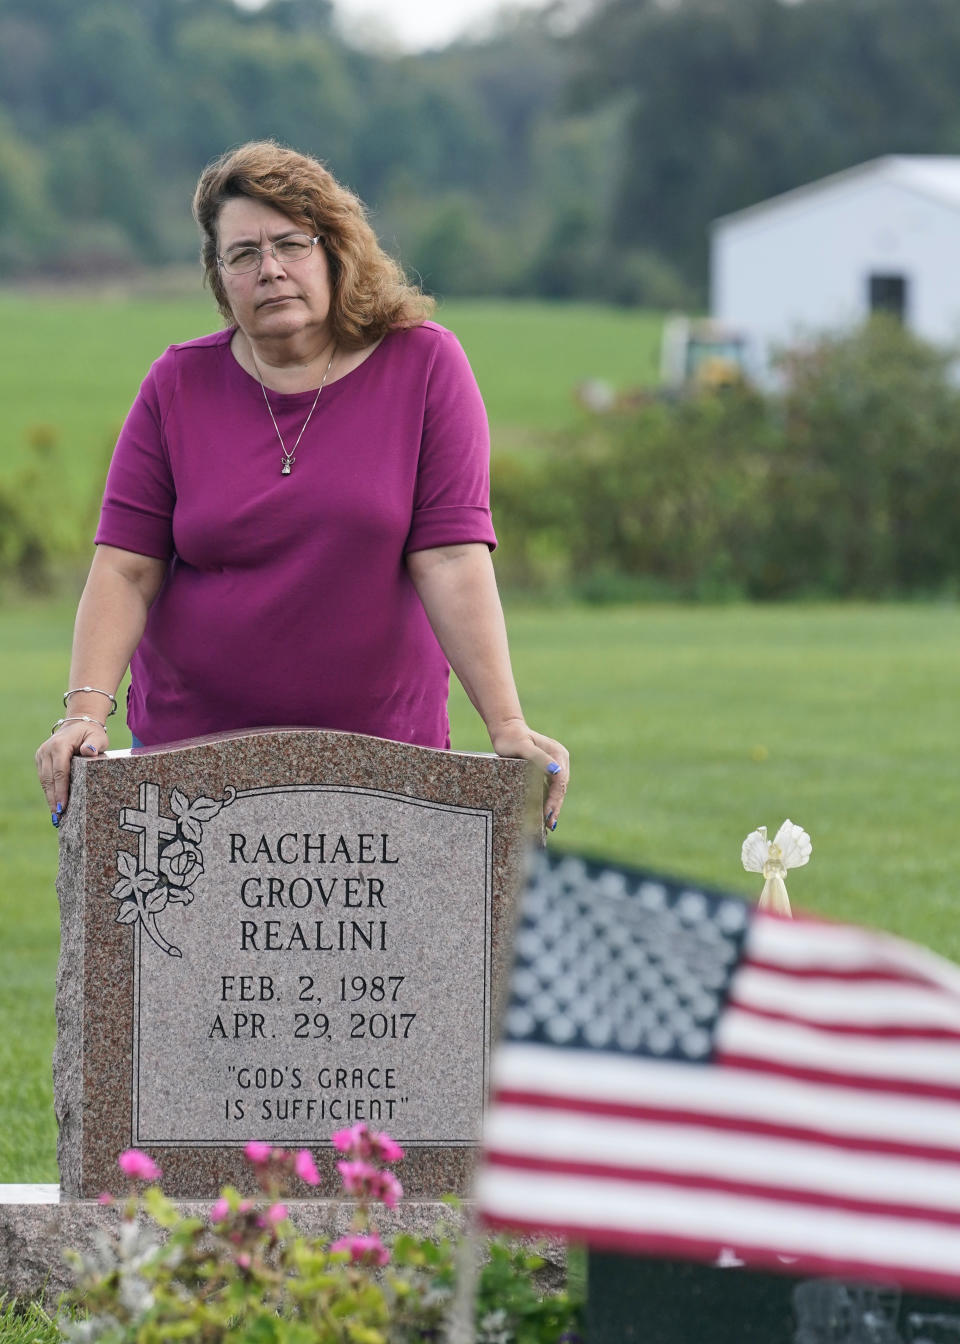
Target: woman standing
(295, 529)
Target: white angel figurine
(789, 848)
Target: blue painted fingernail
(554, 826)
(550, 814)
(59, 808)
(54, 818)
(553, 768)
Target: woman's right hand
(110, 621)
(54, 757)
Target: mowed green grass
(688, 727)
(73, 365)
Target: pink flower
(219, 1210)
(243, 1260)
(276, 1213)
(387, 1149)
(258, 1153)
(359, 1178)
(360, 1142)
(138, 1166)
(355, 1140)
(306, 1168)
(363, 1249)
(105, 1198)
(391, 1191)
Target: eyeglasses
(296, 247)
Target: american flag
(682, 1075)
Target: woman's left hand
(515, 738)
(458, 590)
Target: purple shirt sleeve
(451, 504)
(137, 510)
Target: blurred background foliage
(573, 153)
(842, 484)
(533, 161)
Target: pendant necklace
(289, 458)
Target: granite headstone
(272, 936)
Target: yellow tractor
(701, 355)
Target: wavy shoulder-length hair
(370, 294)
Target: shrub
(659, 500)
(844, 483)
(246, 1276)
(862, 494)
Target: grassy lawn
(26, 1323)
(528, 357)
(688, 728)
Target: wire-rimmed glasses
(295, 247)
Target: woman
(295, 528)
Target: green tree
(732, 101)
(98, 173)
(26, 216)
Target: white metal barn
(883, 235)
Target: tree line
(558, 159)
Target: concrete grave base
(36, 1227)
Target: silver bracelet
(77, 718)
(92, 690)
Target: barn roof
(933, 175)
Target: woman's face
(276, 300)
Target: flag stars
(549, 966)
(622, 963)
(691, 907)
(732, 916)
(560, 1029)
(612, 885)
(582, 1012)
(520, 1023)
(571, 873)
(652, 895)
(695, 1044)
(703, 1007)
(660, 1041)
(529, 945)
(524, 983)
(630, 1036)
(599, 1032)
(567, 988)
(543, 1006)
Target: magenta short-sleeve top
(287, 599)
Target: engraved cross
(151, 825)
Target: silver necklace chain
(290, 457)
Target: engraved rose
(181, 863)
(141, 898)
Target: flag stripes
(723, 1218)
(585, 1106)
(827, 1001)
(606, 1081)
(763, 1161)
(635, 1241)
(747, 1035)
(818, 1132)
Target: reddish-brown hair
(370, 293)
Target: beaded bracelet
(93, 690)
(77, 718)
